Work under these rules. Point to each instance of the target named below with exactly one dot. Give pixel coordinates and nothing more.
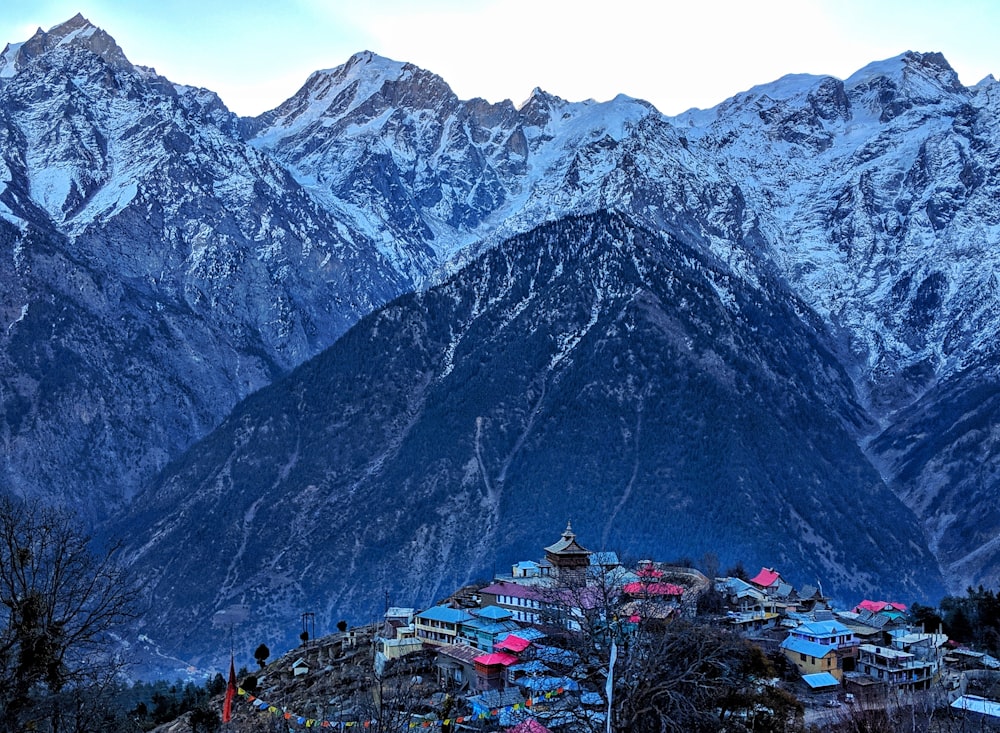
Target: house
(821, 646)
(486, 626)
(496, 700)
(386, 649)
(438, 626)
(811, 598)
(911, 661)
(893, 611)
(526, 569)
(750, 610)
(299, 667)
(491, 670)
(512, 643)
(604, 561)
(979, 706)
(524, 602)
(456, 665)
(397, 637)
(398, 617)
(895, 668)
(767, 578)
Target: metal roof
(977, 704)
(445, 614)
(820, 679)
(804, 646)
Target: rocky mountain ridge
(658, 400)
(164, 259)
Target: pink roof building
(512, 643)
(880, 606)
(766, 578)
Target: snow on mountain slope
(163, 258)
(157, 269)
(878, 198)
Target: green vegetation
(972, 619)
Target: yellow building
(438, 626)
(820, 646)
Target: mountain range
(380, 341)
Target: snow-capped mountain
(164, 259)
(589, 369)
(156, 268)
(878, 198)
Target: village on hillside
(546, 646)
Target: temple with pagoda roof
(569, 559)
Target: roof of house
(493, 699)
(804, 646)
(445, 614)
(766, 577)
(530, 634)
(880, 606)
(782, 589)
(493, 628)
(820, 679)
(496, 658)
(567, 544)
(459, 652)
(512, 643)
(977, 704)
(822, 628)
(505, 588)
(870, 618)
(885, 651)
(533, 667)
(546, 684)
(494, 613)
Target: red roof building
(880, 606)
(766, 578)
(491, 669)
(512, 643)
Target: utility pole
(308, 627)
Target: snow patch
(24, 312)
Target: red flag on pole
(227, 704)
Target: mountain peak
(77, 32)
(74, 25)
(907, 67)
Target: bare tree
(59, 605)
(694, 677)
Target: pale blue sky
(256, 54)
